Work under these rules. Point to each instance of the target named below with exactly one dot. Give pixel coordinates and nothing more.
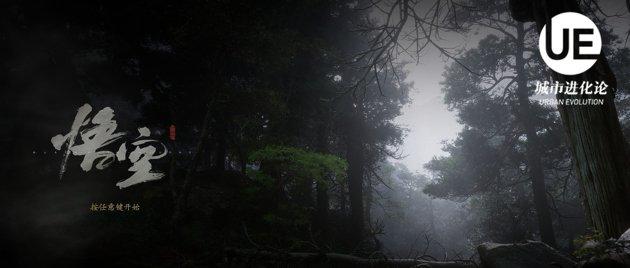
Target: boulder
(625, 236)
(531, 254)
(616, 253)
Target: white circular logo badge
(571, 44)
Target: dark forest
(314, 133)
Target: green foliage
(299, 163)
(589, 245)
(473, 164)
(280, 192)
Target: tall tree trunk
(220, 143)
(322, 203)
(598, 146)
(533, 155)
(321, 214)
(367, 207)
(355, 174)
(242, 158)
(181, 202)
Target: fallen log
(264, 258)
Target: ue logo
(572, 45)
